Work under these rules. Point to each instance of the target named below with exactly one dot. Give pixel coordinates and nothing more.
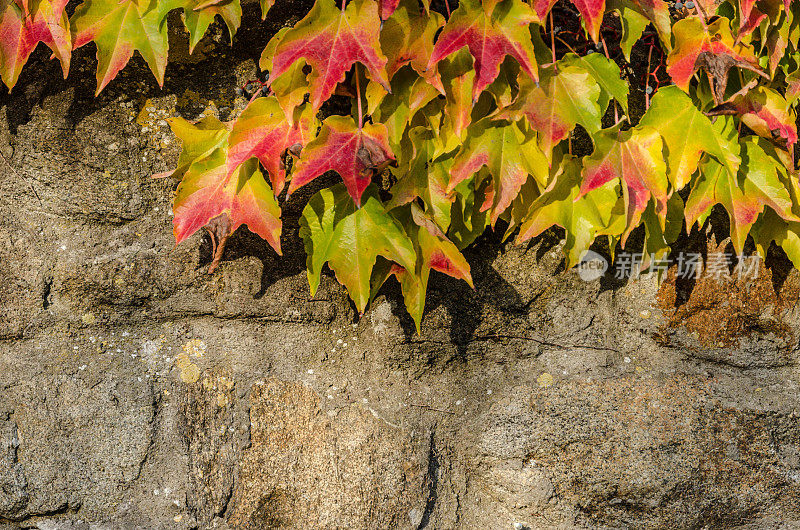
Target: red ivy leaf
(711, 48)
(119, 28)
(765, 112)
(591, 13)
(332, 41)
(489, 39)
(262, 132)
(26, 23)
(208, 190)
(635, 157)
(355, 154)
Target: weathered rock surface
(137, 391)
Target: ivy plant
(463, 118)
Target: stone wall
(137, 391)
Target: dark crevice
(433, 481)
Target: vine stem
(553, 42)
(358, 95)
(647, 79)
(608, 56)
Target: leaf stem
(358, 96)
(647, 78)
(608, 56)
(553, 42)
(447, 7)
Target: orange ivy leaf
(766, 112)
(354, 153)
(591, 13)
(509, 152)
(636, 158)
(489, 39)
(332, 41)
(744, 195)
(709, 47)
(209, 191)
(434, 252)
(26, 23)
(199, 14)
(262, 132)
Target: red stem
(358, 95)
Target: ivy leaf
(711, 48)
(591, 12)
(199, 141)
(407, 39)
(770, 227)
(793, 88)
(766, 112)
(459, 87)
(489, 39)
(332, 41)
(199, 14)
(410, 94)
(434, 252)
(424, 178)
(290, 88)
(582, 216)
(350, 239)
(743, 195)
(509, 152)
(687, 134)
(118, 28)
(635, 15)
(26, 23)
(562, 99)
(208, 191)
(634, 157)
(605, 72)
(262, 132)
(354, 153)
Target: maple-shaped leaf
(118, 28)
(458, 79)
(209, 192)
(407, 39)
(636, 158)
(289, 88)
(434, 252)
(424, 178)
(26, 23)
(262, 131)
(766, 112)
(199, 14)
(771, 227)
(266, 5)
(410, 94)
(591, 12)
(332, 41)
(489, 39)
(635, 15)
(350, 239)
(564, 97)
(509, 152)
(793, 88)
(710, 47)
(199, 141)
(582, 216)
(605, 72)
(354, 153)
(744, 194)
(687, 134)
